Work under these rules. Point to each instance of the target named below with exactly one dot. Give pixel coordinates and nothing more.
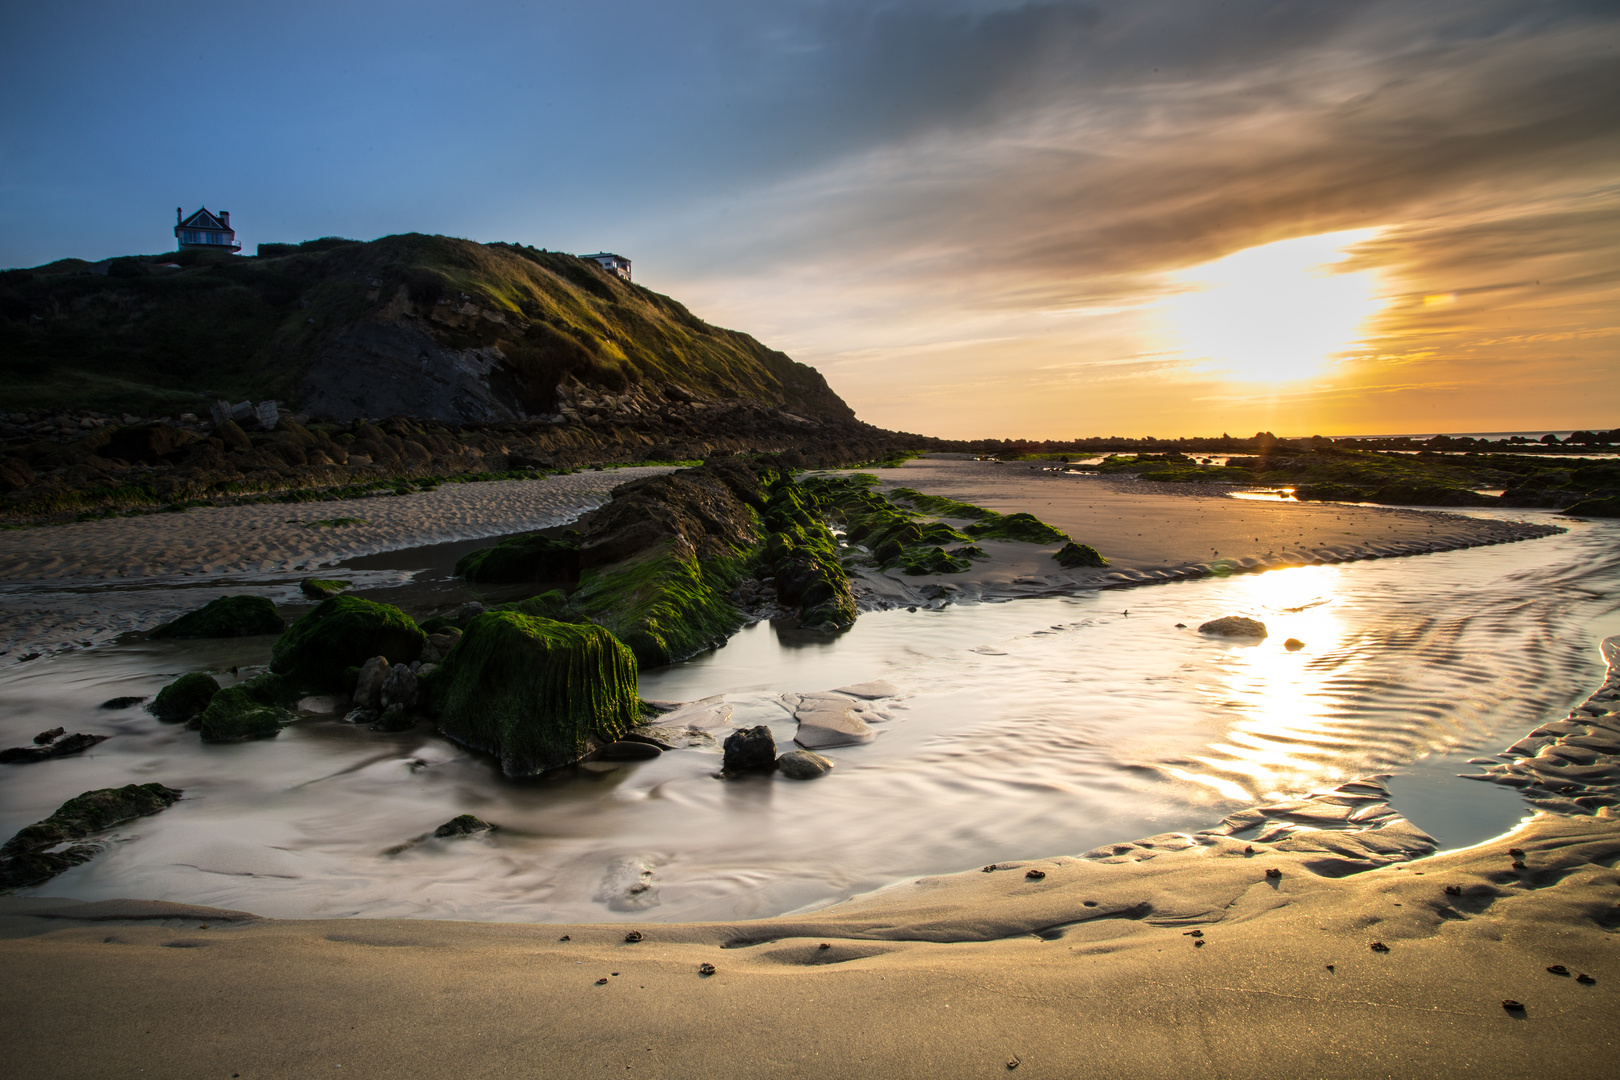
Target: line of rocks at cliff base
(1571, 766)
(67, 464)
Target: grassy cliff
(322, 322)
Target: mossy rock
(1609, 507)
(547, 605)
(228, 616)
(663, 604)
(532, 691)
(934, 560)
(1074, 555)
(344, 632)
(522, 558)
(1025, 528)
(24, 859)
(185, 697)
(321, 588)
(237, 713)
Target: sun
(1275, 313)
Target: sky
(977, 218)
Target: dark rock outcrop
(59, 745)
(185, 697)
(224, 617)
(344, 632)
(750, 749)
(26, 859)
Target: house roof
(202, 219)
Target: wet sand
(1092, 971)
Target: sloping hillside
(428, 326)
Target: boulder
(58, 745)
(344, 632)
(394, 718)
(400, 688)
(1074, 555)
(462, 825)
(1234, 626)
(533, 691)
(803, 765)
(185, 697)
(522, 558)
(438, 645)
(228, 616)
(26, 858)
(321, 588)
(368, 688)
(235, 713)
(750, 749)
(629, 750)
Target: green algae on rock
(248, 710)
(344, 632)
(1026, 528)
(321, 588)
(533, 691)
(185, 697)
(227, 616)
(1074, 555)
(522, 558)
(664, 604)
(25, 860)
(1609, 507)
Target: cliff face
(429, 326)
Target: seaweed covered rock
(227, 616)
(802, 555)
(185, 697)
(25, 860)
(248, 710)
(1609, 507)
(1026, 528)
(1234, 626)
(523, 558)
(321, 588)
(56, 745)
(1074, 555)
(533, 691)
(462, 825)
(664, 604)
(344, 632)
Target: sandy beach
(1173, 955)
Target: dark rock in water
(228, 616)
(362, 716)
(368, 685)
(321, 588)
(344, 632)
(185, 697)
(467, 612)
(1076, 555)
(803, 765)
(438, 645)
(394, 718)
(749, 749)
(47, 736)
(76, 743)
(629, 750)
(462, 825)
(24, 859)
(1234, 626)
(241, 712)
(522, 558)
(1293, 644)
(1609, 507)
(122, 702)
(400, 688)
(533, 691)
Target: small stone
(1199, 944)
(750, 749)
(368, 688)
(1273, 872)
(1512, 1006)
(1193, 933)
(824, 945)
(1518, 864)
(1234, 626)
(632, 937)
(1517, 853)
(601, 982)
(1453, 890)
(565, 937)
(1293, 644)
(803, 765)
(1035, 875)
(400, 687)
(705, 970)
(1585, 980)
(629, 750)
(464, 825)
(1558, 969)
(1378, 946)
(121, 702)
(47, 736)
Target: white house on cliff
(206, 230)
(613, 264)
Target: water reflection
(1024, 729)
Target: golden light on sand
(1275, 313)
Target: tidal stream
(1021, 729)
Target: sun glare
(1278, 312)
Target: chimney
(177, 215)
(225, 218)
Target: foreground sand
(961, 975)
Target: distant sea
(1532, 435)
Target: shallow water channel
(1021, 729)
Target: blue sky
(974, 217)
